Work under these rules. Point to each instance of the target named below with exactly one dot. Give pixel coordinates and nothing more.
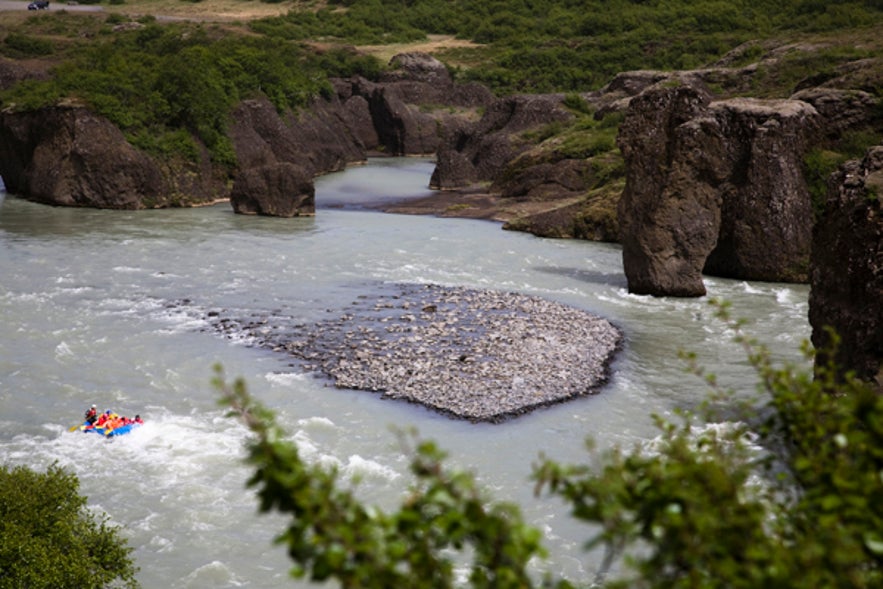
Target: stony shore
(480, 355)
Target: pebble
(480, 355)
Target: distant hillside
(573, 45)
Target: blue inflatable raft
(108, 432)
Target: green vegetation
(17, 45)
(823, 160)
(49, 538)
(570, 45)
(158, 81)
(784, 489)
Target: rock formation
(70, 156)
(715, 187)
(278, 190)
(398, 101)
(664, 220)
(66, 155)
(847, 269)
(317, 139)
(477, 152)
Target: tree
(786, 491)
(49, 539)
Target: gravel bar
(481, 355)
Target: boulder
(841, 110)
(714, 187)
(279, 190)
(260, 137)
(357, 113)
(767, 217)
(418, 68)
(847, 269)
(423, 80)
(70, 156)
(542, 180)
(402, 128)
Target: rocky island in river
(480, 355)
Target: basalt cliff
(846, 292)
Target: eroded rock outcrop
(278, 190)
(847, 269)
(410, 105)
(70, 156)
(67, 155)
(663, 221)
(477, 152)
(714, 187)
(317, 139)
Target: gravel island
(480, 355)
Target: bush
(18, 45)
(49, 539)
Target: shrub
(818, 165)
(18, 45)
(48, 538)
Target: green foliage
(116, 18)
(786, 490)
(577, 103)
(582, 138)
(364, 22)
(331, 535)
(568, 45)
(49, 539)
(822, 161)
(818, 165)
(796, 67)
(588, 139)
(166, 79)
(18, 45)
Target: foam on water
(211, 575)
(358, 468)
(286, 379)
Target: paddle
(73, 428)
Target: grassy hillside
(571, 45)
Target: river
(88, 315)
